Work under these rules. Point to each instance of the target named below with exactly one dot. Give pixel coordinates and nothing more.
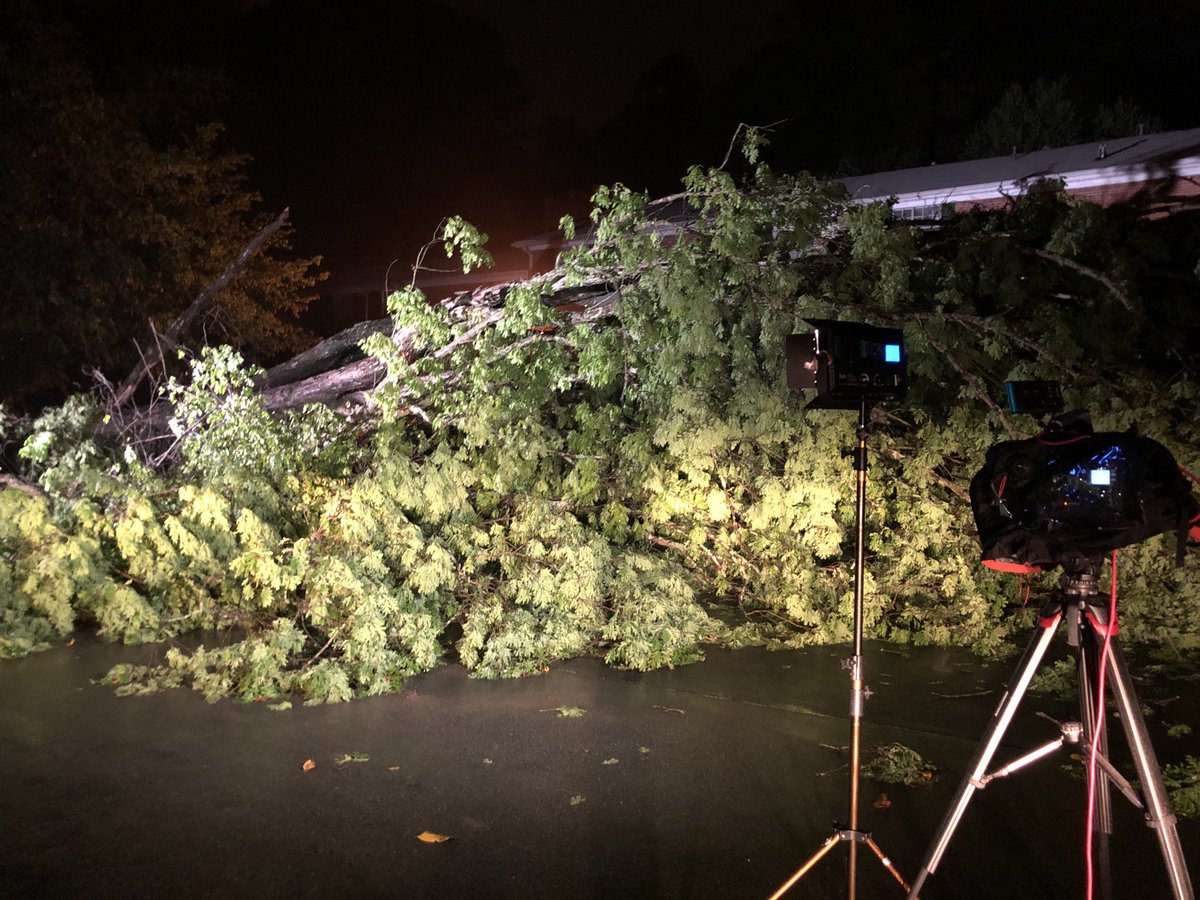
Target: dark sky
(372, 119)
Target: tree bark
(329, 388)
(334, 352)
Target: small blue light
(1101, 477)
(891, 353)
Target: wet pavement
(705, 781)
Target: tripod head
(1079, 601)
(1078, 579)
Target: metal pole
(1159, 814)
(856, 669)
(858, 694)
(1088, 673)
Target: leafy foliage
(633, 481)
(898, 764)
(1060, 679)
(223, 428)
(1183, 783)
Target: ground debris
(567, 712)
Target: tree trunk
(338, 374)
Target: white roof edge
(1187, 167)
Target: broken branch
(198, 306)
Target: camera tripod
(851, 834)
(1087, 628)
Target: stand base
(841, 835)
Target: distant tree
(1124, 117)
(1046, 115)
(1027, 119)
(105, 229)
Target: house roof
(1124, 161)
(1120, 160)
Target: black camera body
(847, 363)
(1070, 495)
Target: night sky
(373, 119)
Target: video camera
(1070, 494)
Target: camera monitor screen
(1092, 488)
(848, 363)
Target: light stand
(858, 693)
(1087, 622)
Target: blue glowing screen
(891, 353)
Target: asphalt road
(712, 780)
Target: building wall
(1160, 192)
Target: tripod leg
(990, 742)
(1159, 814)
(1089, 672)
(887, 863)
(830, 842)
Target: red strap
(1041, 439)
(1008, 565)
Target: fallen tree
(606, 459)
(337, 372)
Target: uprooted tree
(605, 459)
